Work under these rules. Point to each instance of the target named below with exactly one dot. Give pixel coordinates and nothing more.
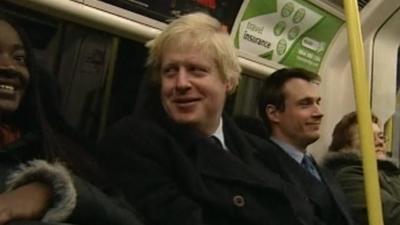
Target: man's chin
(381, 155)
(313, 138)
(184, 120)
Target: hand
(27, 202)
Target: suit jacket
(325, 196)
(174, 176)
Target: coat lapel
(226, 166)
(237, 164)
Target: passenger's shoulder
(258, 142)
(131, 137)
(131, 121)
(131, 131)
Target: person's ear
(272, 113)
(229, 87)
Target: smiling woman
(14, 74)
(14, 77)
(36, 147)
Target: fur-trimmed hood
(337, 160)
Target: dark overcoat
(347, 168)
(175, 176)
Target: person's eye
(20, 58)
(168, 71)
(198, 70)
(304, 103)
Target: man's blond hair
(200, 31)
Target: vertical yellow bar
(361, 90)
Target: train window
(102, 85)
(98, 73)
(245, 101)
(385, 78)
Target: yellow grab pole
(361, 90)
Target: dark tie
(214, 140)
(309, 166)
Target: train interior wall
(337, 86)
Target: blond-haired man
(185, 162)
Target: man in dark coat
(180, 161)
(290, 104)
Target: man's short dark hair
(271, 92)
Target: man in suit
(179, 159)
(289, 103)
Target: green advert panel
(294, 33)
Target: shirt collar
(292, 151)
(219, 133)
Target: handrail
(86, 15)
(373, 198)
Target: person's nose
(317, 113)
(379, 140)
(6, 62)
(183, 80)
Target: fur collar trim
(337, 160)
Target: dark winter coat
(92, 206)
(173, 176)
(348, 171)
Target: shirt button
(238, 201)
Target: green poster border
(326, 30)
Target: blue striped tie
(308, 165)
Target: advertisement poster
(166, 10)
(294, 33)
